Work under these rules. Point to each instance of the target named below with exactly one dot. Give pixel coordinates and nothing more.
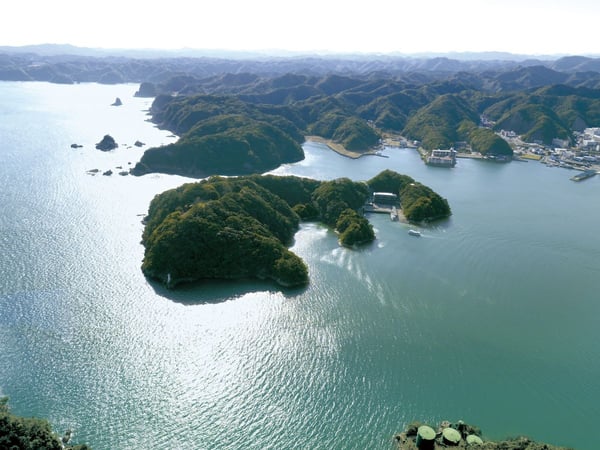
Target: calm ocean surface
(491, 317)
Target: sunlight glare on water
(490, 316)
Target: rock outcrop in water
(107, 143)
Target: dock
(378, 208)
(385, 203)
(583, 175)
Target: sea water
(490, 317)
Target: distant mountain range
(69, 64)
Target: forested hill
(31, 433)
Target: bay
(490, 317)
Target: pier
(583, 175)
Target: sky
(532, 27)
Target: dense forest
(240, 227)
(229, 144)
(29, 433)
(221, 228)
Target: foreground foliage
(28, 433)
(469, 437)
(354, 229)
(239, 227)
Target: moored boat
(414, 232)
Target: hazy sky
(517, 26)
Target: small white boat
(394, 214)
(414, 233)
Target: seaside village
(583, 154)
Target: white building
(445, 158)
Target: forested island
(232, 228)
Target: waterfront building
(385, 198)
(445, 158)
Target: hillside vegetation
(28, 433)
(227, 145)
(233, 228)
(437, 124)
(486, 142)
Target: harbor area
(385, 203)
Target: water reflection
(218, 291)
